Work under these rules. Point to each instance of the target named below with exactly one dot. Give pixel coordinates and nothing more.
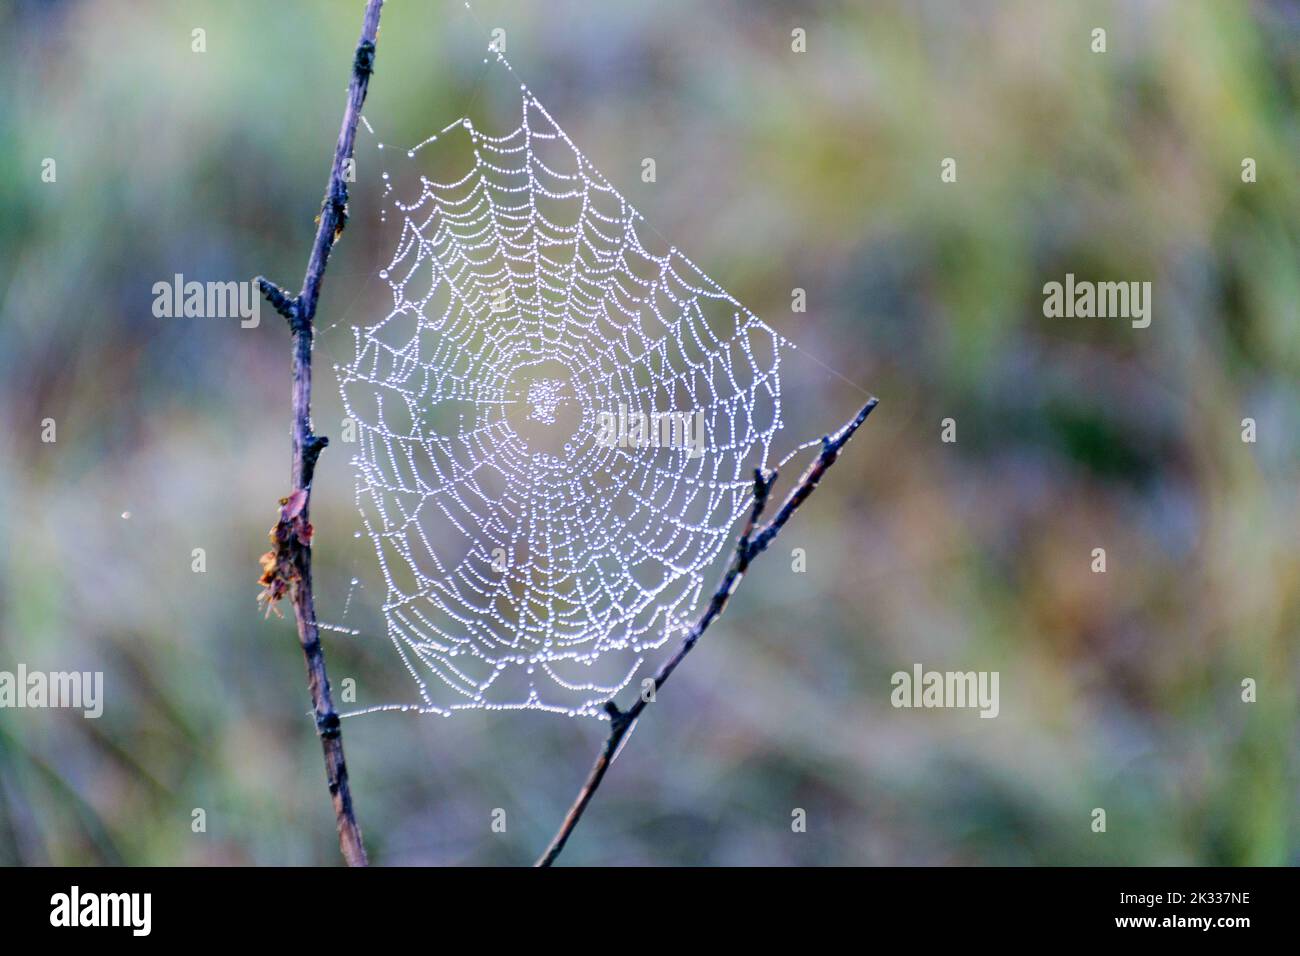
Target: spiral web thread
(528, 561)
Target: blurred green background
(776, 170)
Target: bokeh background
(776, 170)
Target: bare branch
(290, 566)
(754, 539)
(281, 301)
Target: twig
(288, 567)
(754, 539)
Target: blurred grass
(775, 171)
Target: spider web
(529, 559)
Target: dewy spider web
(537, 537)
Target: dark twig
(283, 303)
(753, 541)
(288, 568)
